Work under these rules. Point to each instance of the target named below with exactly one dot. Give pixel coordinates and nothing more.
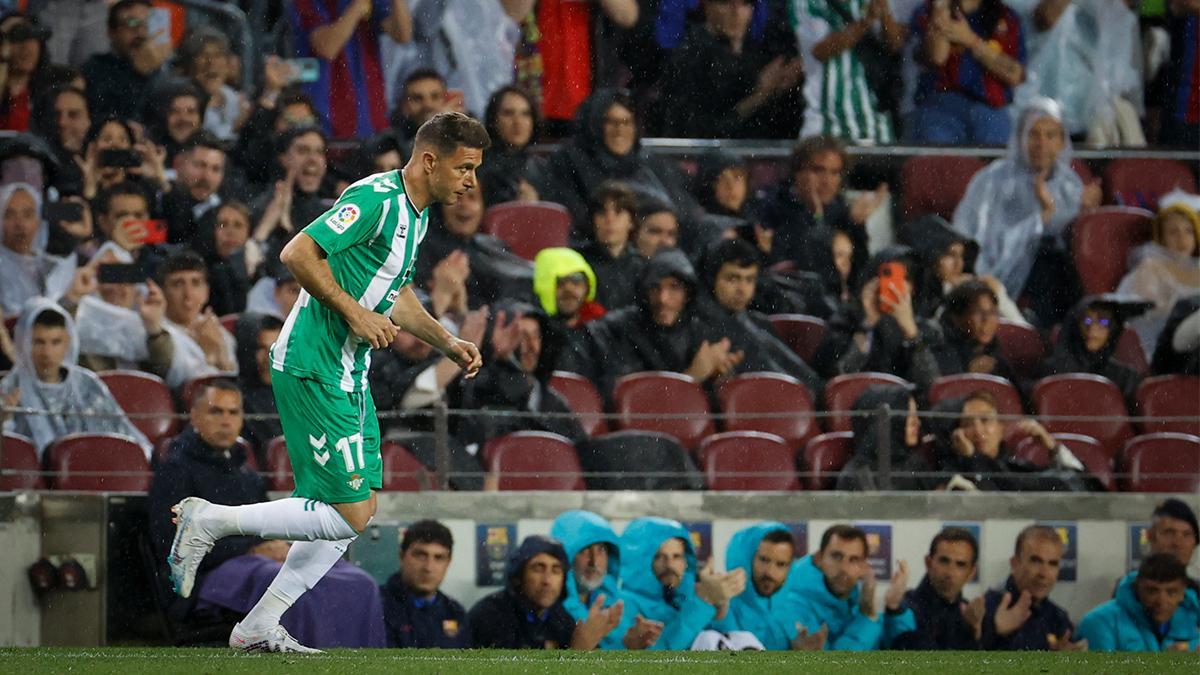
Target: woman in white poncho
(47, 378)
(26, 270)
(1018, 209)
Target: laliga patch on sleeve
(343, 218)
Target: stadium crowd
(146, 197)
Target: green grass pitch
(157, 661)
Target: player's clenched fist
(465, 354)
(374, 328)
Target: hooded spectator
(765, 552)
(662, 581)
(26, 270)
(657, 225)
(46, 377)
(909, 471)
(969, 344)
(723, 185)
(565, 287)
(1153, 611)
(1089, 337)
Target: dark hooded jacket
(930, 237)
(1003, 473)
(496, 272)
(798, 231)
(257, 397)
(501, 385)
(940, 624)
(616, 278)
(889, 352)
(506, 620)
(1070, 355)
(710, 168)
(507, 165)
(228, 280)
(629, 341)
(1167, 360)
(909, 471)
(574, 171)
(956, 349)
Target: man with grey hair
(1020, 615)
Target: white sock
(307, 562)
(292, 519)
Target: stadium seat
(99, 463)
(824, 457)
(279, 466)
(528, 227)
(801, 332)
(843, 390)
(639, 399)
(402, 472)
(637, 460)
(1087, 449)
(748, 460)
(1141, 182)
(1088, 395)
(535, 460)
(229, 322)
(748, 394)
(935, 184)
(189, 389)
(583, 400)
(19, 468)
(1082, 170)
(1101, 241)
(141, 393)
(1021, 346)
(1170, 396)
(1164, 462)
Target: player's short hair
(49, 318)
(956, 535)
(809, 148)
(614, 192)
(780, 537)
(427, 532)
(220, 384)
(845, 533)
(1044, 532)
(1163, 568)
(446, 132)
(184, 260)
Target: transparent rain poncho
(1000, 209)
(37, 273)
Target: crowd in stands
(148, 190)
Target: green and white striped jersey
(370, 235)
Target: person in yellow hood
(565, 286)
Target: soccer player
(354, 264)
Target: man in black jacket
(1020, 615)
(415, 612)
(945, 620)
(207, 461)
(529, 614)
(201, 169)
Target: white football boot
(274, 639)
(191, 544)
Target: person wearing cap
(528, 613)
(565, 286)
(1153, 611)
(1089, 338)
(1173, 530)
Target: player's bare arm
(410, 315)
(305, 259)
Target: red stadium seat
(583, 400)
(801, 332)
(1165, 462)
(279, 466)
(99, 463)
(141, 393)
(1087, 449)
(535, 460)
(1083, 171)
(748, 460)
(1101, 241)
(402, 472)
(528, 227)
(824, 457)
(748, 394)
(19, 467)
(229, 322)
(843, 390)
(1021, 346)
(187, 392)
(1141, 182)
(1089, 395)
(655, 393)
(1170, 396)
(935, 184)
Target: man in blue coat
(1154, 611)
(833, 612)
(594, 553)
(662, 583)
(416, 612)
(765, 553)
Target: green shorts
(332, 439)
